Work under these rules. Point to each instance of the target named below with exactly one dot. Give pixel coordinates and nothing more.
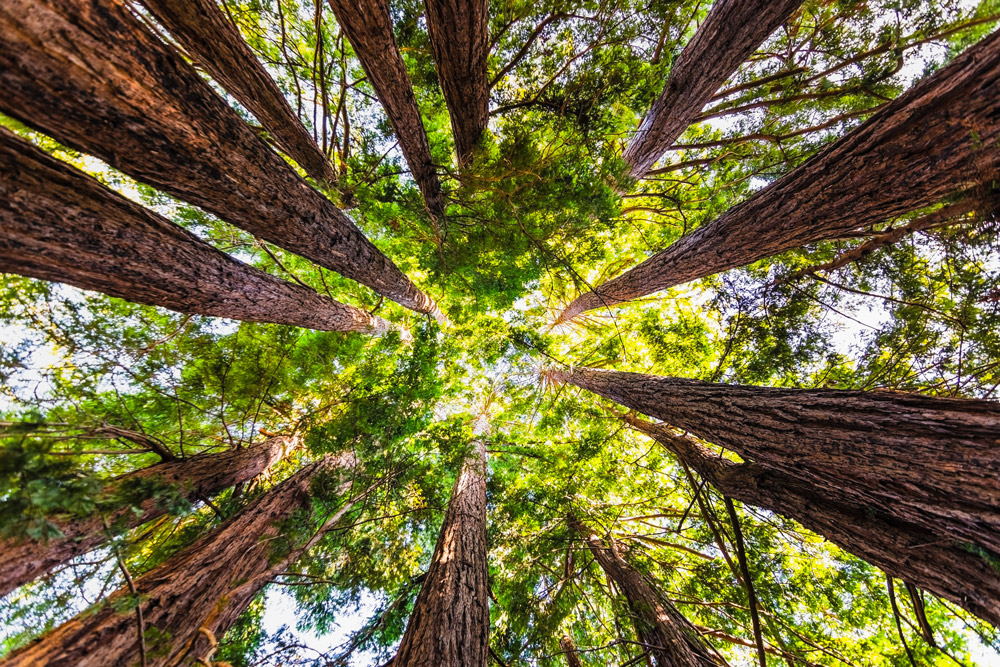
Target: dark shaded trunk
(89, 74)
(199, 476)
(945, 567)
(57, 223)
(460, 43)
(731, 32)
(208, 36)
(204, 587)
(449, 626)
(368, 26)
(938, 139)
(666, 634)
(568, 648)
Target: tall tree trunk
(938, 139)
(89, 74)
(206, 34)
(731, 32)
(57, 223)
(666, 634)
(944, 567)
(931, 462)
(22, 560)
(460, 43)
(568, 648)
(204, 587)
(449, 626)
(368, 26)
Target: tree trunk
(207, 35)
(449, 626)
(204, 587)
(57, 223)
(731, 32)
(22, 560)
(569, 651)
(666, 634)
(931, 462)
(460, 42)
(89, 74)
(368, 26)
(903, 550)
(936, 140)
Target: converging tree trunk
(22, 560)
(93, 77)
(938, 139)
(200, 590)
(955, 570)
(664, 632)
(449, 626)
(931, 462)
(460, 43)
(731, 32)
(368, 26)
(57, 223)
(204, 32)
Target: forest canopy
(564, 332)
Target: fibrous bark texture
(937, 139)
(57, 223)
(206, 34)
(460, 43)
(568, 647)
(664, 632)
(204, 587)
(731, 32)
(368, 26)
(89, 74)
(913, 553)
(449, 626)
(197, 477)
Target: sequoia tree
(368, 27)
(663, 632)
(937, 140)
(60, 224)
(206, 34)
(197, 594)
(449, 626)
(95, 78)
(732, 31)
(200, 476)
(460, 43)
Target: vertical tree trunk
(57, 223)
(669, 638)
(22, 560)
(460, 43)
(201, 28)
(89, 74)
(569, 651)
(449, 626)
(368, 27)
(938, 139)
(904, 550)
(931, 462)
(731, 32)
(204, 587)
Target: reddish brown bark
(196, 477)
(449, 626)
(731, 32)
(460, 43)
(670, 639)
(89, 74)
(207, 585)
(205, 33)
(368, 26)
(568, 648)
(938, 139)
(904, 550)
(57, 223)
